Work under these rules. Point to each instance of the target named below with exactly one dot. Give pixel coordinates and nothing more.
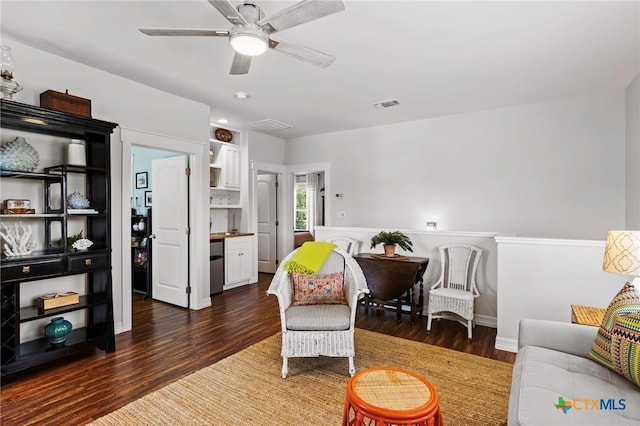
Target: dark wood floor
(168, 343)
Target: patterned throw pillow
(625, 346)
(627, 301)
(318, 289)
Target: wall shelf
(30, 216)
(225, 206)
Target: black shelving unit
(141, 255)
(54, 261)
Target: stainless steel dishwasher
(216, 266)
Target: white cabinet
(238, 260)
(224, 176)
(225, 167)
(230, 173)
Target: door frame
(285, 199)
(278, 170)
(198, 157)
(273, 180)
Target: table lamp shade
(622, 253)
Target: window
(301, 209)
(308, 201)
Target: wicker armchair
(347, 244)
(320, 330)
(453, 295)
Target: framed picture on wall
(147, 198)
(142, 180)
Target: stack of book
(82, 211)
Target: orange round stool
(390, 396)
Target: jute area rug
(246, 388)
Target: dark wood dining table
(393, 282)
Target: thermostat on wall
(340, 196)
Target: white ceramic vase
(76, 155)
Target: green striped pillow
(625, 346)
(627, 301)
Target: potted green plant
(390, 239)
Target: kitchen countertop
(223, 235)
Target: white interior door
(267, 220)
(169, 223)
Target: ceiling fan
(251, 31)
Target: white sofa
(553, 362)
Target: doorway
(286, 175)
(267, 214)
(158, 240)
(267, 221)
(195, 153)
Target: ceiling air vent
(386, 104)
(268, 125)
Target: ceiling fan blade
(240, 64)
(299, 13)
(184, 32)
(228, 11)
(306, 54)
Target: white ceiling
(435, 58)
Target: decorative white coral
(17, 239)
(82, 244)
(76, 200)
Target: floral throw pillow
(318, 289)
(626, 302)
(625, 346)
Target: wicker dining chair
(322, 329)
(349, 245)
(453, 295)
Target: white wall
(265, 148)
(549, 169)
(119, 100)
(542, 278)
(632, 155)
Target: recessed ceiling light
(223, 121)
(241, 95)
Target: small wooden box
(66, 103)
(17, 204)
(18, 211)
(57, 300)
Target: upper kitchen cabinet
(225, 168)
(225, 156)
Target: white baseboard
(510, 345)
(486, 321)
(202, 303)
(240, 284)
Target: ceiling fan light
(249, 41)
